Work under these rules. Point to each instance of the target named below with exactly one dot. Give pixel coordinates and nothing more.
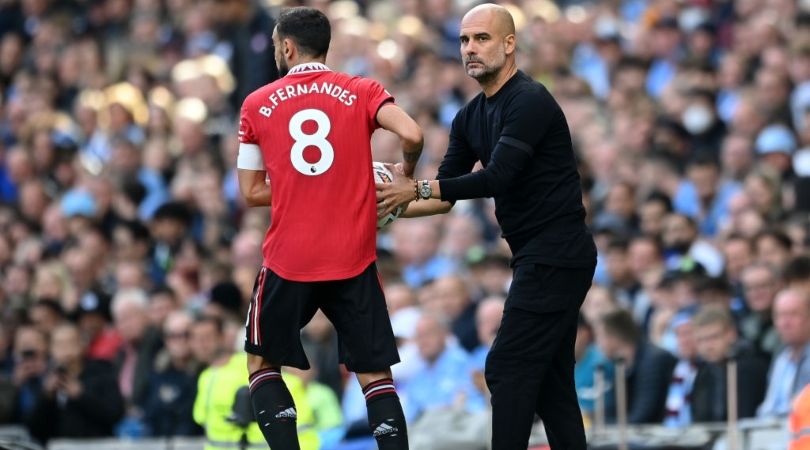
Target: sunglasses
(177, 335)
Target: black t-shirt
(521, 137)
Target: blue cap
(78, 202)
(775, 139)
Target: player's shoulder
(356, 81)
(261, 93)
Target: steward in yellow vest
(217, 390)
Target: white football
(383, 175)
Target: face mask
(697, 119)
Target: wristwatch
(425, 191)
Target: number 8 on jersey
(316, 139)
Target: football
(383, 175)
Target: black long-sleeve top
(94, 413)
(521, 137)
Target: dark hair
(217, 322)
(781, 238)
(798, 269)
(660, 197)
(621, 325)
(619, 243)
(51, 305)
(740, 237)
(714, 285)
(703, 160)
(308, 28)
(632, 63)
(176, 211)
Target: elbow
(251, 201)
(412, 137)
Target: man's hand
(50, 385)
(70, 386)
(399, 192)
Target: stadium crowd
(128, 260)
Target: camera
(61, 370)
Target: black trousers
(530, 368)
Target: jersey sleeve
(376, 96)
(246, 133)
(250, 154)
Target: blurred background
(122, 233)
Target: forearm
(254, 187)
(423, 208)
(259, 196)
(392, 118)
(411, 151)
(504, 167)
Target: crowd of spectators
(121, 224)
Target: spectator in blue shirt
(440, 384)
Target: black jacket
(93, 414)
(648, 383)
(709, 397)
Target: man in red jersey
(309, 133)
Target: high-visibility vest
(216, 391)
(799, 421)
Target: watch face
(425, 191)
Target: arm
(251, 172)
(394, 119)
(458, 160)
(427, 208)
(254, 187)
(526, 120)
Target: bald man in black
(518, 132)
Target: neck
(628, 354)
(308, 60)
(492, 87)
(797, 351)
(74, 367)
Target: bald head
(499, 19)
(487, 38)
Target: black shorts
(355, 306)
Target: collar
(308, 67)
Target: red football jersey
(313, 128)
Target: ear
(509, 44)
(288, 47)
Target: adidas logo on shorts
(288, 413)
(383, 429)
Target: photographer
(30, 365)
(79, 397)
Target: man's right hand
(399, 192)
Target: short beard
(283, 68)
(486, 76)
